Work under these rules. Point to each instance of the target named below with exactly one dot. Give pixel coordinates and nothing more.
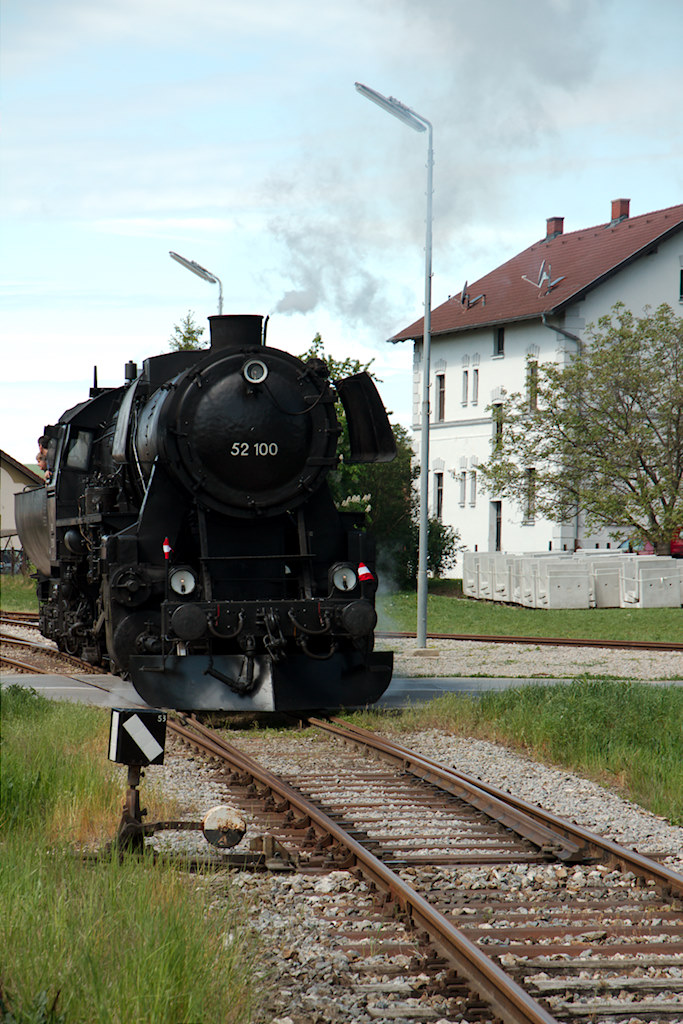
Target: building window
(473, 487)
(465, 386)
(475, 386)
(497, 426)
(530, 499)
(440, 397)
(499, 341)
(438, 495)
(680, 288)
(463, 487)
(532, 383)
(496, 526)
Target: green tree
(603, 434)
(186, 335)
(385, 492)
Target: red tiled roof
(577, 262)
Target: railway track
(523, 917)
(541, 919)
(19, 618)
(44, 651)
(554, 641)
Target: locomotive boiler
(187, 538)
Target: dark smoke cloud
(326, 269)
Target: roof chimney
(620, 210)
(554, 227)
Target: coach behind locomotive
(188, 539)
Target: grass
(18, 593)
(622, 734)
(446, 614)
(113, 941)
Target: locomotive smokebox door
(137, 737)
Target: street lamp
(419, 124)
(200, 272)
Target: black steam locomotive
(187, 538)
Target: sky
(231, 132)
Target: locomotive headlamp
(182, 581)
(255, 371)
(344, 577)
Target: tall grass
(55, 781)
(628, 735)
(113, 941)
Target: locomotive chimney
(236, 331)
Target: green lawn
(18, 593)
(464, 615)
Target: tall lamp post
(419, 124)
(200, 272)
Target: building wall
(12, 481)
(461, 441)
(649, 281)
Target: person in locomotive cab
(41, 457)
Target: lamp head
(194, 267)
(395, 107)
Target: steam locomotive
(187, 538)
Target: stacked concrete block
(599, 578)
(605, 571)
(501, 571)
(650, 582)
(563, 583)
(470, 574)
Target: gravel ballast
(306, 969)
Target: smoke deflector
(370, 434)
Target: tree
(602, 435)
(186, 335)
(385, 492)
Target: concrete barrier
(590, 578)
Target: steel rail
(11, 616)
(506, 997)
(552, 641)
(49, 652)
(667, 879)
(22, 665)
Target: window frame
(440, 409)
(499, 343)
(438, 494)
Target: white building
(536, 305)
